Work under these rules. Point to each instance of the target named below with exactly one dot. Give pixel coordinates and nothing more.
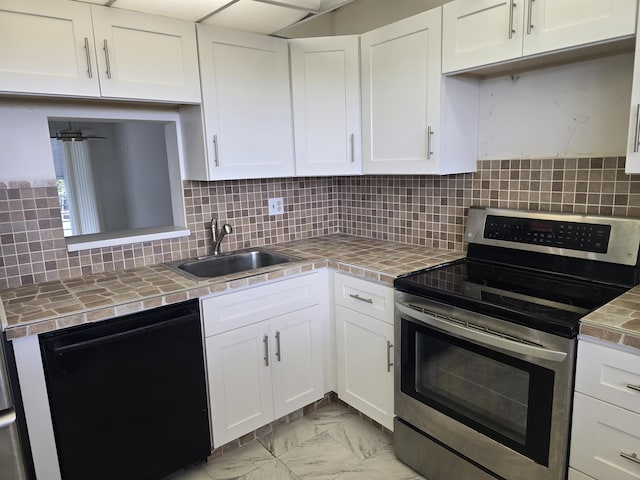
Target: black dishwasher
(128, 395)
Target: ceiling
(260, 16)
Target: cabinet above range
(489, 37)
(72, 49)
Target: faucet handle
(214, 228)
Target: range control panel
(586, 237)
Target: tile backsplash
(431, 210)
(419, 210)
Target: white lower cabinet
(576, 475)
(272, 362)
(605, 438)
(364, 347)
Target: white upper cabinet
(557, 24)
(633, 143)
(480, 32)
(46, 47)
(477, 33)
(247, 104)
(325, 75)
(59, 47)
(143, 56)
(413, 120)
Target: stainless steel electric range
(486, 358)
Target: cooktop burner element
(511, 275)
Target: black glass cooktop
(548, 302)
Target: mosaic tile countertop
(53, 305)
(617, 322)
(34, 309)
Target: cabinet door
(557, 24)
(576, 475)
(481, 32)
(239, 381)
(296, 359)
(401, 95)
(609, 374)
(605, 440)
(364, 360)
(633, 140)
(46, 47)
(145, 56)
(247, 104)
(325, 75)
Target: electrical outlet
(276, 206)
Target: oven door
(497, 393)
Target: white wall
(580, 109)
(24, 138)
(108, 175)
(142, 150)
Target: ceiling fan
(75, 135)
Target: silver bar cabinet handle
(530, 20)
(358, 297)
(265, 340)
(389, 362)
(636, 140)
(278, 352)
(353, 147)
(215, 151)
(106, 56)
(429, 136)
(88, 54)
(511, 30)
(630, 456)
(633, 387)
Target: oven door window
(502, 397)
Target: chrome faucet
(218, 235)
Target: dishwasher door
(128, 395)
(11, 464)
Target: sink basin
(227, 263)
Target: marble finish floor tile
(360, 437)
(332, 443)
(288, 436)
(274, 470)
(320, 458)
(329, 415)
(239, 462)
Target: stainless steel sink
(228, 263)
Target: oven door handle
(484, 338)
